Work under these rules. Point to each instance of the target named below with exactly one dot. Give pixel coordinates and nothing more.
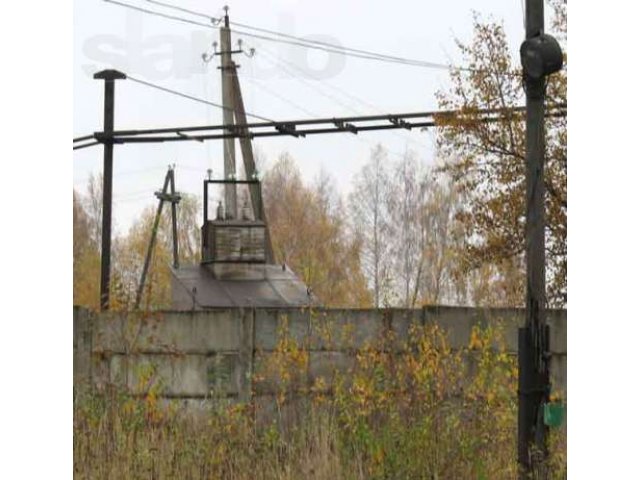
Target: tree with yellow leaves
(309, 233)
(487, 161)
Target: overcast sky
(168, 53)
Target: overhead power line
(214, 20)
(191, 97)
(368, 54)
(333, 46)
(288, 67)
(163, 15)
(85, 138)
(280, 37)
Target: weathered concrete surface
(82, 347)
(200, 354)
(185, 332)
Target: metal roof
(239, 285)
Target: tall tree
(130, 251)
(404, 201)
(370, 220)
(86, 257)
(308, 230)
(488, 160)
(440, 241)
(423, 233)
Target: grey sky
(169, 53)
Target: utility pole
(540, 56)
(234, 114)
(109, 77)
(227, 69)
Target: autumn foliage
(416, 408)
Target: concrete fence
(201, 354)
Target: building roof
(237, 285)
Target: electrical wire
(369, 54)
(335, 48)
(214, 20)
(163, 15)
(344, 52)
(293, 40)
(191, 97)
(288, 66)
(278, 96)
(278, 61)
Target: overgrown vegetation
(410, 409)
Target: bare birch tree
(369, 217)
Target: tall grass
(422, 410)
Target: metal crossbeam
(293, 128)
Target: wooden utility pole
(109, 77)
(174, 199)
(540, 55)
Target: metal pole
(533, 381)
(109, 77)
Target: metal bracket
(347, 127)
(289, 128)
(399, 122)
